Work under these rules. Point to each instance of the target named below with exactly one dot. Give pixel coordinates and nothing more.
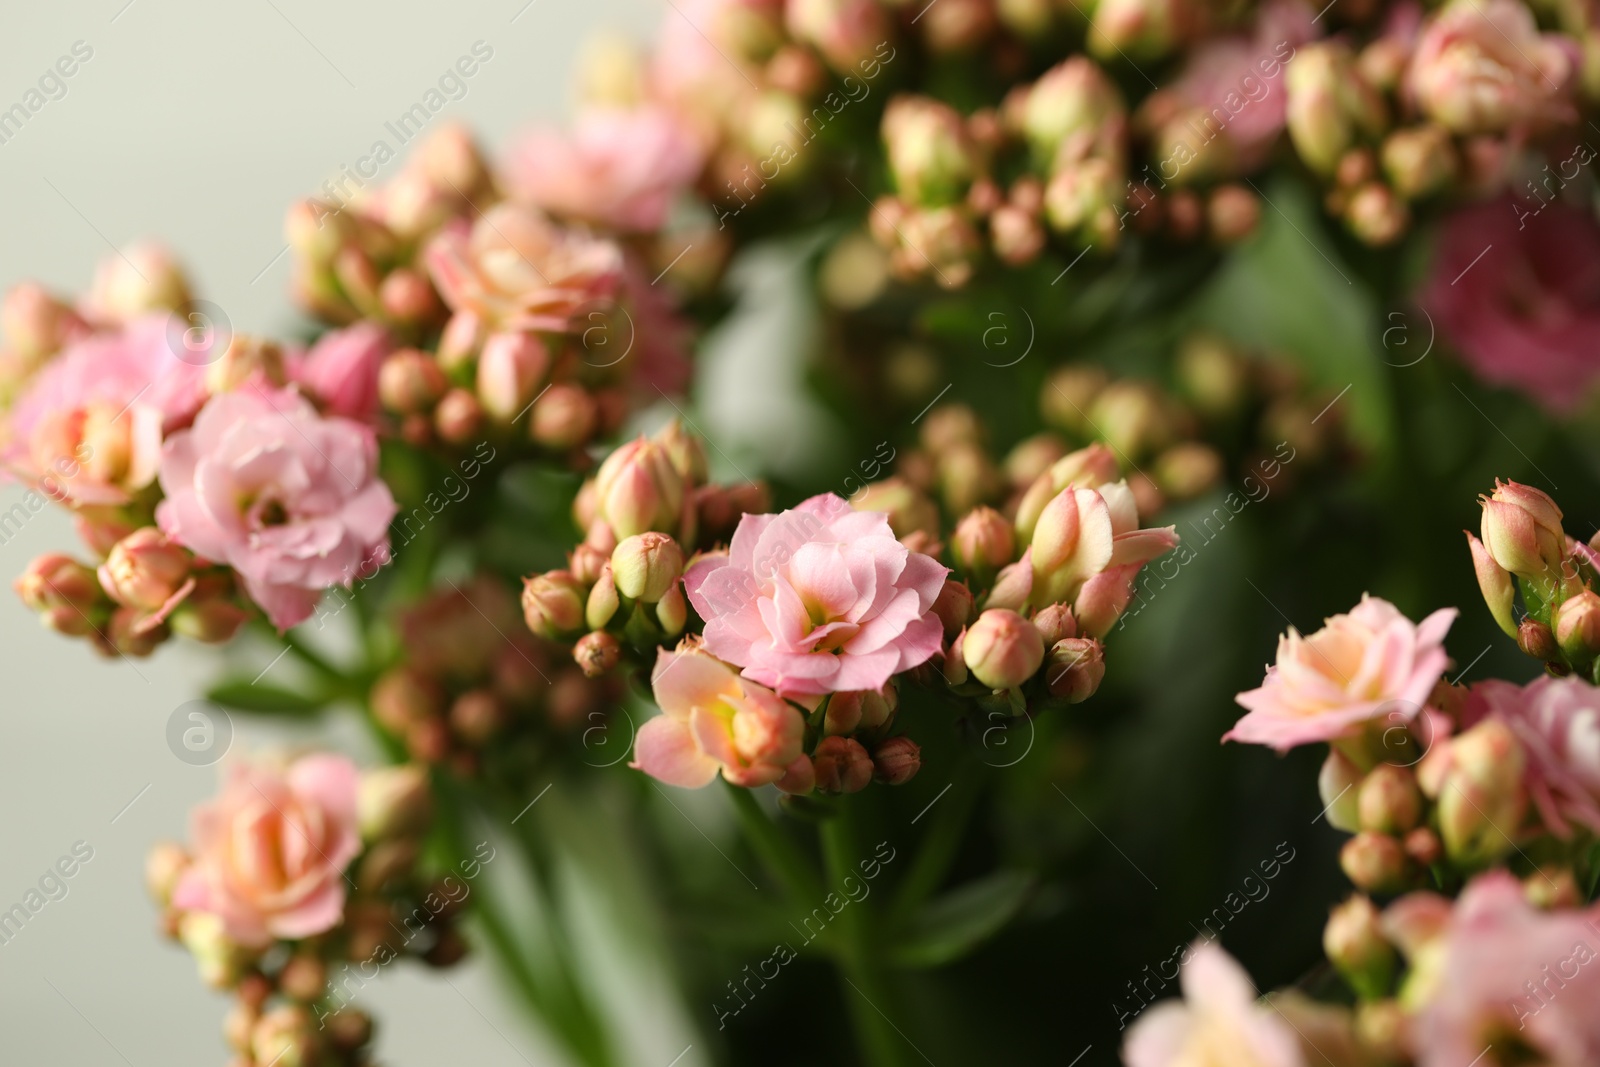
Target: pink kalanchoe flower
(520, 271)
(88, 428)
(289, 499)
(713, 720)
(1527, 313)
(1372, 663)
(1558, 722)
(1493, 966)
(1218, 1024)
(818, 599)
(270, 851)
(618, 168)
(341, 370)
(1482, 66)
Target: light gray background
(199, 122)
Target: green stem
(776, 849)
(939, 845)
(865, 991)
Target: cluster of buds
(146, 590)
(647, 507)
(1047, 584)
(1524, 549)
(292, 993)
(471, 681)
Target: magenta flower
(1218, 1023)
(620, 169)
(818, 599)
(1558, 722)
(289, 499)
(1516, 290)
(270, 851)
(341, 370)
(1373, 663)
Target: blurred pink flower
(271, 849)
(618, 168)
(521, 271)
(341, 370)
(818, 599)
(1516, 289)
(289, 499)
(1499, 966)
(1218, 1024)
(1482, 66)
(1371, 663)
(713, 720)
(1558, 722)
(89, 426)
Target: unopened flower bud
(394, 802)
(459, 417)
(163, 867)
(410, 381)
(304, 977)
(1075, 668)
(284, 1037)
(603, 600)
(1055, 623)
(1423, 846)
(245, 358)
(844, 31)
(1328, 104)
(672, 611)
(403, 696)
(954, 667)
(1381, 1027)
(983, 542)
(145, 570)
(638, 489)
(1374, 862)
(930, 155)
(1082, 199)
(953, 606)
(908, 510)
(799, 778)
(1577, 625)
(563, 418)
(1482, 799)
(896, 761)
(1073, 100)
(552, 604)
(140, 279)
(1232, 212)
(1419, 160)
(131, 632)
(1188, 469)
(54, 580)
(219, 958)
(1338, 783)
(1522, 530)
(477, 716)
(1537, 640)
(1354, 943)
(1144, 28)
(36, 324)
(596, 653)
(842, 765)
(646, 565)
(1002, 649)
(510, 370)
(1214, 374)
(462, 340)
(1552, 887)
(349, 1029)
(408, 297)
(1389, 801)
(1016, 235)
(1494, 581)
(1087, 468)
(1376, 215)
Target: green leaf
(263, 699)
(952, 925)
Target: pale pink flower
(341, 370)
(1482, 66)
(1558, 722)
(1218, 1023)
(521, 271)
(713, 720)
(289, 499)
(270, 851)
(142, 279)
(1499, 966)
(88, 428)
(618, 168)
(1372, 663)
(1087, 549)
(1525, 313)
(818, 599)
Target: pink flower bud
(459, 417)
(552, 605)
(799, 778)
(1376, 215)
(1486, 68)
(54, 580)
(220, 959)
(685, 451)
(1419, 160)
(1389, 801)
(597, 653)
(404, 696)
(1073, 107)
(1375, 862)
(1055, 623)
(564, 418)
(1537, 640)
(285, 1036)
(146, 570)
(1354, 943)
(410, 381)
(1016, 235)
(603, 600)
(1577, 625)
(1338, 784)
(1232, 212)
(672, 611)
(637, 489)
(1083, 198)
(646, 565)
(246, 358)
(842, 765)
(394, 802)
(141, 279)
(462, 339)
(36, 324)
(1002, 649)
(1144, 28)
(163, 866)
(953, 606)
(1494, 581)
(1329, 104)
(983, 542)
(1482, 799)
(846, 32)
(896, 761)
(1423, 846)
(510, 371)
(930, 155)
(408, 297)
(1075, 668)
(1087, 468)
(476, 716)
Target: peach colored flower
(270, 851)
(1482, 66)
(713, 720)
(1218, 1024)
(1371, 663)
(818, 599)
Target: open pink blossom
(88, 428)
(1218, 1023)
(521, 271)
(1499, 967)
(270, 851)
(341, 370)
(713, 720)
(1482, 66)
(1372, 663)
(618, 168)
(818, 599)
(1558, 722)
(1515, 289)
(286, 497)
